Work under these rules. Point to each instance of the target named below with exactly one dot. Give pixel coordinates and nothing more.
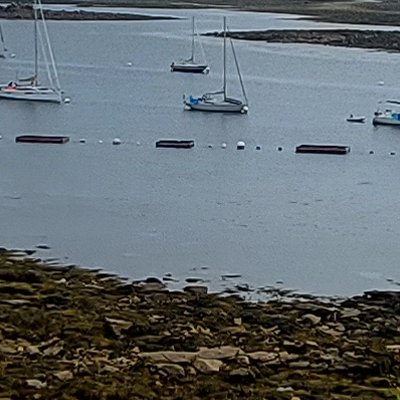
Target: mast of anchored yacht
(3, 45)
(224, 89)
(192, 58)
(35, 76)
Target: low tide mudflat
(73, 333)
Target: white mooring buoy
(240, 145)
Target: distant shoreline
(347, 12)
(365, 39)
(26, 13)
(337, 11)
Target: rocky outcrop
(367, 39)
(74, 333)
(17, 11)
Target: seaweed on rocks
(75, 333)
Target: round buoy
(381, 83)
(210, 146)
(258, 147)
(67, 100)
(371, 152)
(137, 143)
(12, 55)
(223, 145)
(280, 148)
(1, 137)
(116, 141)
(82, 140)
(100, 141)
(240, 145)
(129, 64)
(392, 153)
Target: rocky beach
(76, 333)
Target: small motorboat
(355, 118)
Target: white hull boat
(384, 120)
(214, 105)
(389, 114)
(190, 65)
(30, 89)
(31, 93)
(219, 101)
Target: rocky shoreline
(14, 11)
(365, 12)
(366, 39)
(73, 333)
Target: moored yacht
(219, 101)
(388, 113)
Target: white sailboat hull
(34, 93)
(189, 67)
(228, 105)
(385, 120)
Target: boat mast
(36, 43)
(238, 71)
(192, 58)
(53, 72)
(3, 46)
(224, 89)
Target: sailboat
(190, 65)
(29, 89)
(219, 101)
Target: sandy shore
(72, 333)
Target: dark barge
(41, 139)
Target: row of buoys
(115, 141)
(240, 145)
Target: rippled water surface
(321, 224)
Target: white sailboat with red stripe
(30, 89)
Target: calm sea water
(320, 224)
